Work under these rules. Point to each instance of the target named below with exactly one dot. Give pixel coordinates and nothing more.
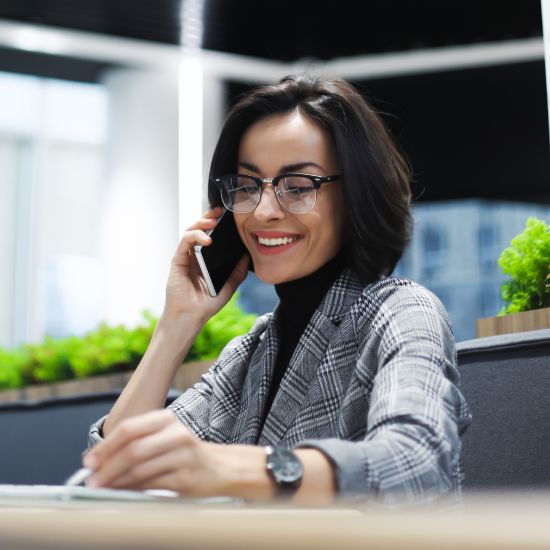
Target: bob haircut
(375, 176)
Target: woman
(350, 388)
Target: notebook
(13, 494)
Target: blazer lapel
(233, 391)
(307, 356)
(256, 386)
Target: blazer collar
(343, 292)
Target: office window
(490, 299)
(434, 248)
(488, 246)
(52, 136)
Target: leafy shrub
(110, 349)
(527, 262)
(12, 364)
(219, 330)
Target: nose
(268, 208)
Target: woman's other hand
(155, 451)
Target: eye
(297, 184)
(246, 189)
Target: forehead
(289, 137)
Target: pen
(80, 476)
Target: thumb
(236, 278)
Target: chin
(269, 277)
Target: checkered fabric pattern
(372, 384)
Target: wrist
(170, 322)
(241, 471)
(175, 336)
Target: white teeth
(276, 242)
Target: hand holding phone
(218, 260)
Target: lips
(275, 242)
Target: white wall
(68, 278)
(138, 222)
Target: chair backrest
(41, 442)
(506, 382)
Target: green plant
(12, 364)
(527, 262)
(228, 323)
(110, 349)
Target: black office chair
(506, 381)
(41, 442)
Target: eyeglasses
(296, 193)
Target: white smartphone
(218, 260)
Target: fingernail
(92, 482)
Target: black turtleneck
(298, 301)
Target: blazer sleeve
(192, 407)
(416, 415)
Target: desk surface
(497, 522)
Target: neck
(306, 294)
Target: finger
(180, 481)
(205, 224)
(128, 430)
(160, 465)
(187, 242)
(212, 214)
(140, 451)
(215, 212)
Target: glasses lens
(297, 194)
(239, 193)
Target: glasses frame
(316, 180)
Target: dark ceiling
(470, 133)
(294, 29)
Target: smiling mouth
(279, 241)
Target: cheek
(333, 238)
(240, 220)
(325, 237)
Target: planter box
(516, 322)
(188, 374)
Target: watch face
(285, 465)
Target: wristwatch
(286, 470)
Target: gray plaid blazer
(372, 384)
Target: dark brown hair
(375, 175)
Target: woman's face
(281, 144)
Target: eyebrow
(286, 168)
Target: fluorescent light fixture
(39, 40)
(191, 81)
(192, 26)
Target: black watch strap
(285, 469)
